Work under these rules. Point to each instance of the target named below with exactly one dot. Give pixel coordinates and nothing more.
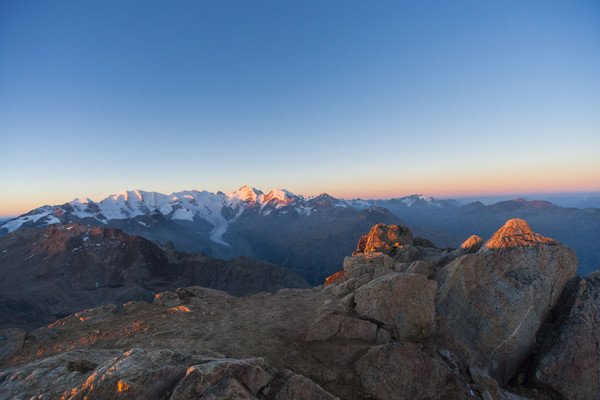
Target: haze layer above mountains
(309, 235)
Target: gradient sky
(355, 98)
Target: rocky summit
(502, 319)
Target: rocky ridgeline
(502, 319)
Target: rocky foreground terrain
(502, 319)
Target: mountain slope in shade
(48, 273)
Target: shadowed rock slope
(52, 272)
(502, 319)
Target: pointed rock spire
(516, 232)
(474, 240)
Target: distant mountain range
(309, 235)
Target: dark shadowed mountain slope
(48, 273)
(313, 245)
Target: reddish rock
(474, 240)
(385, 239)
(330, 279)
(516, 232)
(403, 302)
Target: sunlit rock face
(384, 239)
(490, 304)
(516, 232)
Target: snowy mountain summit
(217, 211)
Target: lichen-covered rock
(491, 304)
(572, 364)
(11, 340)
(300, 387)
(384, 239)
(168, 299)
(223, 379)
(403, 302)
(365, 264)
(51, 377)
(137, 374)
(332, 325)
(418, 267)
(400, 371)
(200, 292)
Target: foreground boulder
(384, 239)
(490, 304)
(136, 374)
(300, 387)
(403, 371)
(404, 303)
(223, 379)
(571, 364)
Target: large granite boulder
(403, 303)
(136, 374)
(490, 304)
(400, 371)
(571, 365)
(337, 326)
(223, 379)
(300, 387)
(52, 377)
(384, 239)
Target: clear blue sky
(356, 98)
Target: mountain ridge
(271, 226)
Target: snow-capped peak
(245, 193)
(280, 196)
(127, 196)
(87, 200)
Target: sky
(370, 99)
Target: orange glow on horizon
(455, 182)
